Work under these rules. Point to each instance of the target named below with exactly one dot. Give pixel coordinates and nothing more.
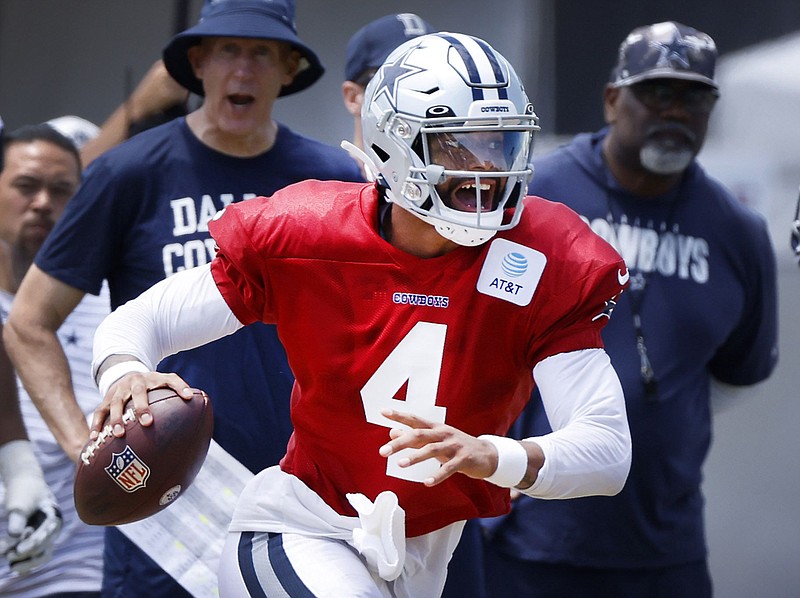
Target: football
(120, 480)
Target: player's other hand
(34, 519)
(457, 451)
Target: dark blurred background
(586, 35)
(80, 56)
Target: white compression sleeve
(589, 450)
(180, 312)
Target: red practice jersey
(367, 326)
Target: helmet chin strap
(464, 235)
(458, 233)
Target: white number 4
(418, 360)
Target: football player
(416, 312)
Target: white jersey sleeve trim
(589, 450)
(181, 312)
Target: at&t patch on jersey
(511, 272)
(128, 470)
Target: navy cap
(666, 50)
(256, 19)
(371, 44)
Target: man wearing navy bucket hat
(141, 215)
(253, 19)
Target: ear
(195, 54)
(610, 99)
(291, 63)
(353, 96)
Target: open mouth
(464, 196)
(238, 99)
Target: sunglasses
(661, 95)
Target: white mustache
(672, 128)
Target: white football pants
(263, 564)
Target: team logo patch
(514, 264)
(511, 272)
(128, 470)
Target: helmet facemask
(471, 172)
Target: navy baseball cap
(371, 44)
(666, 50)
(256, 19)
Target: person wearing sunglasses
(700, 313)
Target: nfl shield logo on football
(128, 470)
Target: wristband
(117, 371)
(512, 461)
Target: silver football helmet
(448, 130)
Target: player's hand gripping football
(133, 387)
(34, 519)
(457, 451)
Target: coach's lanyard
(637, 288)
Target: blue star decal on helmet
(390, 74)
